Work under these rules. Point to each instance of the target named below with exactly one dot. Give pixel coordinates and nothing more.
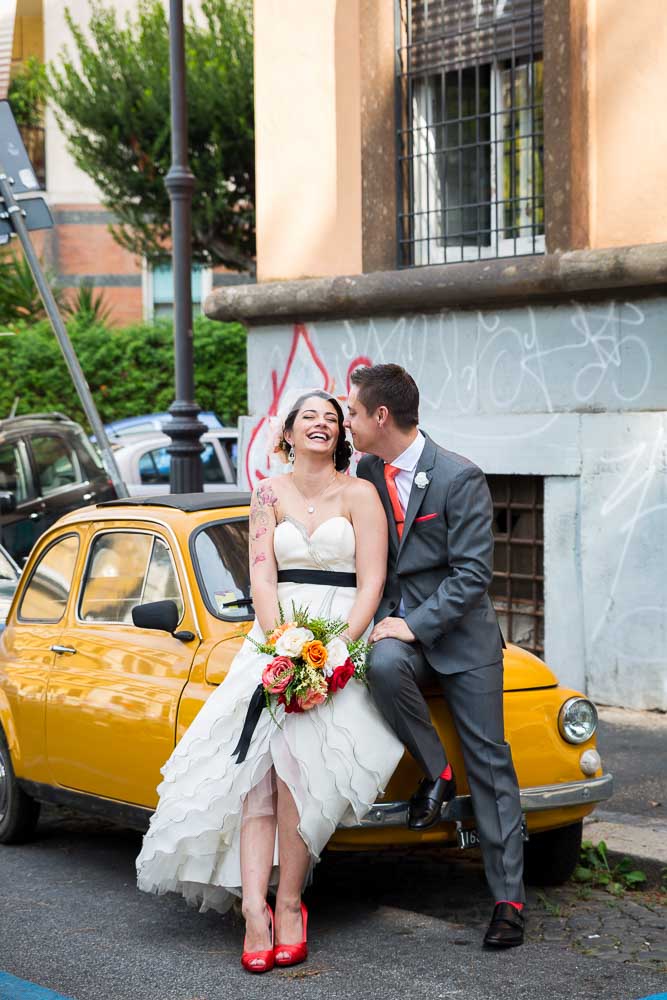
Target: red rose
(277, 674)
(341, 676)
(291, 706)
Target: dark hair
(343, 451)
(390, 386)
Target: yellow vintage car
(91, 704)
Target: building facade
(475, 189)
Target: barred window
(470, 130)
(517, 589)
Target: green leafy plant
(27, 93)
(112, 102)
(552, 908)
(594, 869)
(88, 308)
(130, 370)
(19, 298)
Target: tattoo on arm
(260, 557)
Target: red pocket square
(425, 517)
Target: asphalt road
(382, 926)
(633, 746)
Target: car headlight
(577, 720)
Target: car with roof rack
(128, 615)
(47, 468)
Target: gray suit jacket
(443, 565)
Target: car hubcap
(4, 790)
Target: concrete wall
(572, 392)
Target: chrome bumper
(573, 793)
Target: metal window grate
(517, 589)
(470, 129)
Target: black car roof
(188, 502)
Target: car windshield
(7, 569)
(220, 556)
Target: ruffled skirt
(336, 760)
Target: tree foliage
(130, 370)
(27, 93)
(112, 102)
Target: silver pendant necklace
(310, 506)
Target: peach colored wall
(308, 138)
(628, 124)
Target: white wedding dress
(335, 758)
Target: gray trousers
(397, 672)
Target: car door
(28, 641)
(21, 527)
(114, 689)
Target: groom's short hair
(390, 386)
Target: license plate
(469, 836)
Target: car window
(55, 462)
(45, 597)
(220, 554)
(12, 472)
(8, 570)
(125, 569)
(161, 580)
(154, 466)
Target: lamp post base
(185, 430)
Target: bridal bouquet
(310, 661)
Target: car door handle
(36, 514)
(62, 649)
(88, 496)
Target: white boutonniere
(421, 480)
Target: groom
(435, 621)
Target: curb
(642, 839)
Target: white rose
(292, 641)
(337, 655)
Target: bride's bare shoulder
(268, 492)
(359, 489)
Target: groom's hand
(392, 628)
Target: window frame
(423, 249)
(148, 290)
(19, 605)
(86, 568)
(198, 574)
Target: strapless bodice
(331, 545)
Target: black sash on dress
(318, 577)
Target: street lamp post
(184, 428)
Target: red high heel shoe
(292, 954)
(260, 961)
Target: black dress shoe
(425, 804)
(506, 927)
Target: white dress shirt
(407, 463)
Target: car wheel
(551, 857)
(18, 812)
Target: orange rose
(315, 653)
(272, 639)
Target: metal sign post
(17, 218)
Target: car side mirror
(7, 502)
(160, 615)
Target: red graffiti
(301, 345)
(357, 363)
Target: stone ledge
(481, 284)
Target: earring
(292, 455)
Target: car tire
(551, 857)
(18, 812)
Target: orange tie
(390, 473)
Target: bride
(225, 829)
